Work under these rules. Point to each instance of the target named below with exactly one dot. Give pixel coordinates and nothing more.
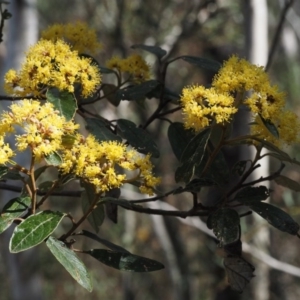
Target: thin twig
(278, 31)
(82, 219)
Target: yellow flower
(268, 102)
(42, 125)
(78, 35)
(287, 124)
(104, 164)
(114, 63)
(201, 106)
(239, 75)
(5, 151)
(134, 65)
(52, 64)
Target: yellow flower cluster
(134, 65)
(238, 76)
(201, 106)
(42, 125)
(79, 35)
(52, 64)
(238, 83)
(287, 124)
(101, 163)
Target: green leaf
(167, 95)
(288, 183)
(276, 217)
(137, 92)
(53, 159)
(3, 171)
(192, 156)
(104, 70)
(13, 209)
(195, 185)
(137, 137)
(273, 148)
(179, 137)
(239, 272)
(157, 51)
(225, 224)
(34, 230)
(97, 216)
(240, 167)
(71, 262)
(106, 243)
(111, 208)
(99, 129)
(65, 178)
(218, 170)
(203, 63)
(68, 140)
(270, 126)
(109, 91)
(39, 171)
(45, 186)
(63, 101)
(125, 261)
(251, 194)
(285, 157)
(10, 174)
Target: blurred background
(193, 270)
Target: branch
(170, 213)
(267, 178)
(18, 189)
(13, 98)
(254, 251)
(279, 28)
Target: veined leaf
(195, 185)
(104, 242)
(270, 126)
(157, 51)
(179, 137)
(276, 217)
(13, 209)
(111, 208)
(125, 261)
(137, 137)
(239, 272)
(137, 92)
(192, 156)
(53, 159)
(34, 230)
(97, 216)
(109, 91)
(251, 194)
(63, 101)
(240, 167)
(100, 131)
(288, 182)
(104, 70)
(9, 174)
(218, 170)
(70, 262)
(225, 224)
(203, 63)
